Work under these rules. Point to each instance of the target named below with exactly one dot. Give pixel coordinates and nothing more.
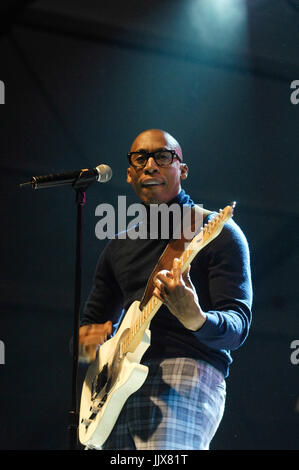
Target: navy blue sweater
(222, 279)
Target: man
(206, 312)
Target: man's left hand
(177, 292)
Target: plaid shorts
(179, 406)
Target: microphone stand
(80, 187)
(81, 183)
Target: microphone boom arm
(102, 173)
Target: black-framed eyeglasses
(162, 157)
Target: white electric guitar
(116, 372)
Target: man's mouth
(151, 182)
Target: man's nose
(151, 166)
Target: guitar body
(111, 378)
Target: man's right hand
(91, 337)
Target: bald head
(152, 139)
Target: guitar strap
(175, 249)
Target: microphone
(102, 173)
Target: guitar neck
(205, 236)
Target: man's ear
(184, 171)
(129, 178)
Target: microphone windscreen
(104, 172)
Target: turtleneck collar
(182, 199)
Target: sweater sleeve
(105, 299)
(230, 290)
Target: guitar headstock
(214, 227)
(211, 229)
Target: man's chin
(155, 194)
(154, 198)
(152, 194)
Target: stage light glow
(220, 23)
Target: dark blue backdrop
(80, 83)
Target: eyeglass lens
(163, 158)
